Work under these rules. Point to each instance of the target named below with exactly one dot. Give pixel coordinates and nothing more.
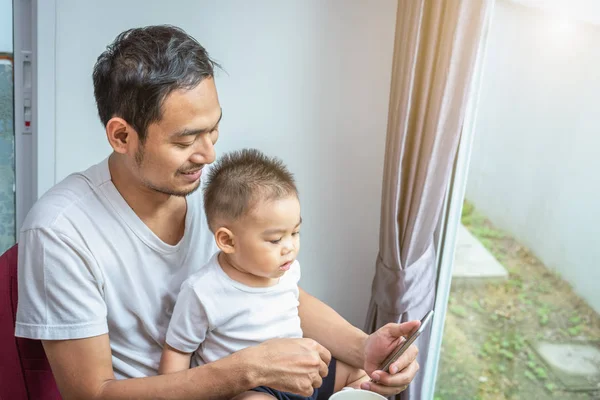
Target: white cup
(356, 394)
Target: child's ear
(225, 240)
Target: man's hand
(290, 365)
(378, 347)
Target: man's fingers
(405, 359)
(324, 360)
(317, 381)
(307, 392)
(402, 378)
(323, 369)
(323, 353)
(385, 391)
(404, 329)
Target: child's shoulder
(205, 276)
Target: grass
(485, 351)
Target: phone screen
(385, 366)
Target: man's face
(171, 159)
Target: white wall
(534, 169)
(6, 26)
(306, 80)
(581, 10)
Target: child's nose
(288, 246)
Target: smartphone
(385, 366)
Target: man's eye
(183, 145)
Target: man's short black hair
(136, 72)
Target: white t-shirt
(88, 266)
(216, 316)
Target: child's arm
(173, 360)
(187, 330)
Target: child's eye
(275, 241)
(296, 233)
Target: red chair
(24, 370)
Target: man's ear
(121, 136)
(225, 240)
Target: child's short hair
(239, 180)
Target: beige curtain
(434, 56)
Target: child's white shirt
(215, 316)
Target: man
(102, 255)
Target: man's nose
(204, 150)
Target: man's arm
(349, 344)
(83, 370)
(321, 323)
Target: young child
(248, 292)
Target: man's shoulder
(77, 190)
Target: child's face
(267, 240)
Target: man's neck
(164, 214)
